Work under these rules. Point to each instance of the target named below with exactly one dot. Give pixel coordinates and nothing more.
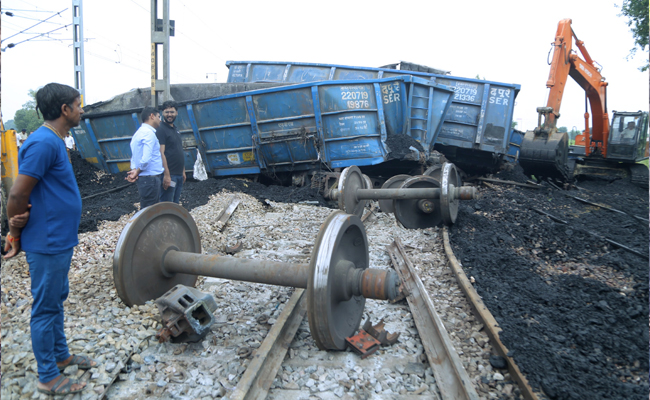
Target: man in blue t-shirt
(47, 184)
(146, 159)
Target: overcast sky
(503, 41)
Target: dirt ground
(573, 307)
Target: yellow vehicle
(9, 168)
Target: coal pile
(108, 197)
(573, 307)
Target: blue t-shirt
(56, 202)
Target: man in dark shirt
(171, 148)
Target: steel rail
(267, 359)
(451, 378)
(485, 316)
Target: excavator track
(639, 175)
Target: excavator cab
(628, 134)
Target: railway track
(442, 351)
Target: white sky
(503, 41)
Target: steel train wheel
(138, 270)
(394, 182)
(341, 240)
(449, 205)
(410, 213)
(350, 181)
(435, 172)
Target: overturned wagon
(477, 126)
(275, 129)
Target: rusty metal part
(186, 314)
(337, 277)
(145, 239)
(233, 249)
(379, 283)
(379, 333)
(451, 378)
(487, 319)
(363, 343)
(267, 360)
(386, 205)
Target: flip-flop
(60, 388)
(83, 362)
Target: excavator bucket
(545, 154)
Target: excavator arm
(544, 151)
(585, 72)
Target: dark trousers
(173, 193)
(49, 276)
(149, 189)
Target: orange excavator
(602, 149)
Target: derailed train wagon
(281, 128)
(477, 127)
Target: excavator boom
(544, 151)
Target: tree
(562, 129)
(637, 13)
(513, 125)
(27, 118)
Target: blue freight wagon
(283, 128)
(104, 134)
(477, 126)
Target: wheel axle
(160, 248)
(418, 202)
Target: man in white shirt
(146, 160)
(69, 144)
(21, 137)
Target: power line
(35, 25)
(34, 19)
(14, 9)
(11, 45)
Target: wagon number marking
(355, 99)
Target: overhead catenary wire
(37, 36)
(15, 9)
(59, 13)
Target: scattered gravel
(121, 338)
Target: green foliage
(513, 125)
(562, 129)
(26, 118)
(637, 13)
(10, 124)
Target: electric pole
(78, 48)
(161, 31)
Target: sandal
(83, 362)
(62, 387)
